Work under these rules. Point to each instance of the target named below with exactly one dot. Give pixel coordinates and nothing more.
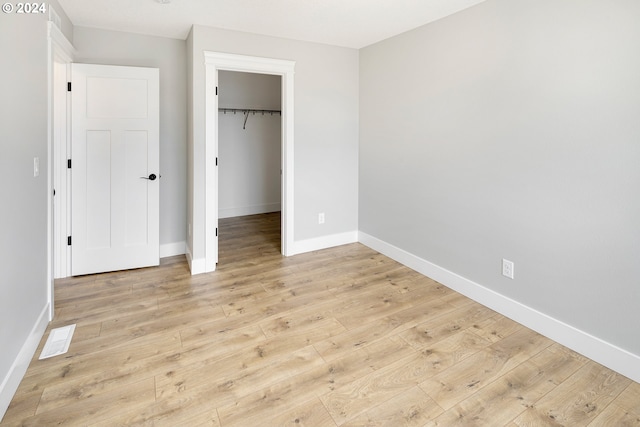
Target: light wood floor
(339, 337)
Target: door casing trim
(215, 61)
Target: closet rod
(246, 111)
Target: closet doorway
(216, 62)
(249, 153)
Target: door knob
(151, 177)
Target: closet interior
(249, 144)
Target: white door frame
(215, 61)
(60, 50)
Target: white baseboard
(324, 242)
(172, 249)
(248, 210)
(605, 353)
(19, 367)
(197, 266)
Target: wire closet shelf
(247, 111)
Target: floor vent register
(58, 341)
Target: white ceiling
(348, 23)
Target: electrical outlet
(507, 268)
(321, 218)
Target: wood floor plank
(629, 399)
(385, 351)
(79, 380)
(411, 408)
(99, 311)
(255, 408)
(213, 330)
(365, 310)
(296, 324)
(579, 399)
(235, 376)
(89, 362)
(295, 390)
(183, 313)
(310, 414)
(616, 415)
(349, 401)
(183, 413)
(327, 377)
(23, 407)
(354, 398)
(450, 323)
(457, 299)
(269, 304)
(496, 328)
(98, 407)
(511, 394)
(395, 323)
(464, 379)
(339, 336)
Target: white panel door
(114, 174)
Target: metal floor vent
(58, 341)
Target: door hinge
(216, 90)
(216, 161)
(68, 240)
(68, 163)
(216, 231)
(68, 86)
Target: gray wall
(23, 216)
(249, 90)
(190, 128)
(249, 152)
(326, 128)
(170, 56)
(511, 130)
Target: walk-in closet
(249, 147)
